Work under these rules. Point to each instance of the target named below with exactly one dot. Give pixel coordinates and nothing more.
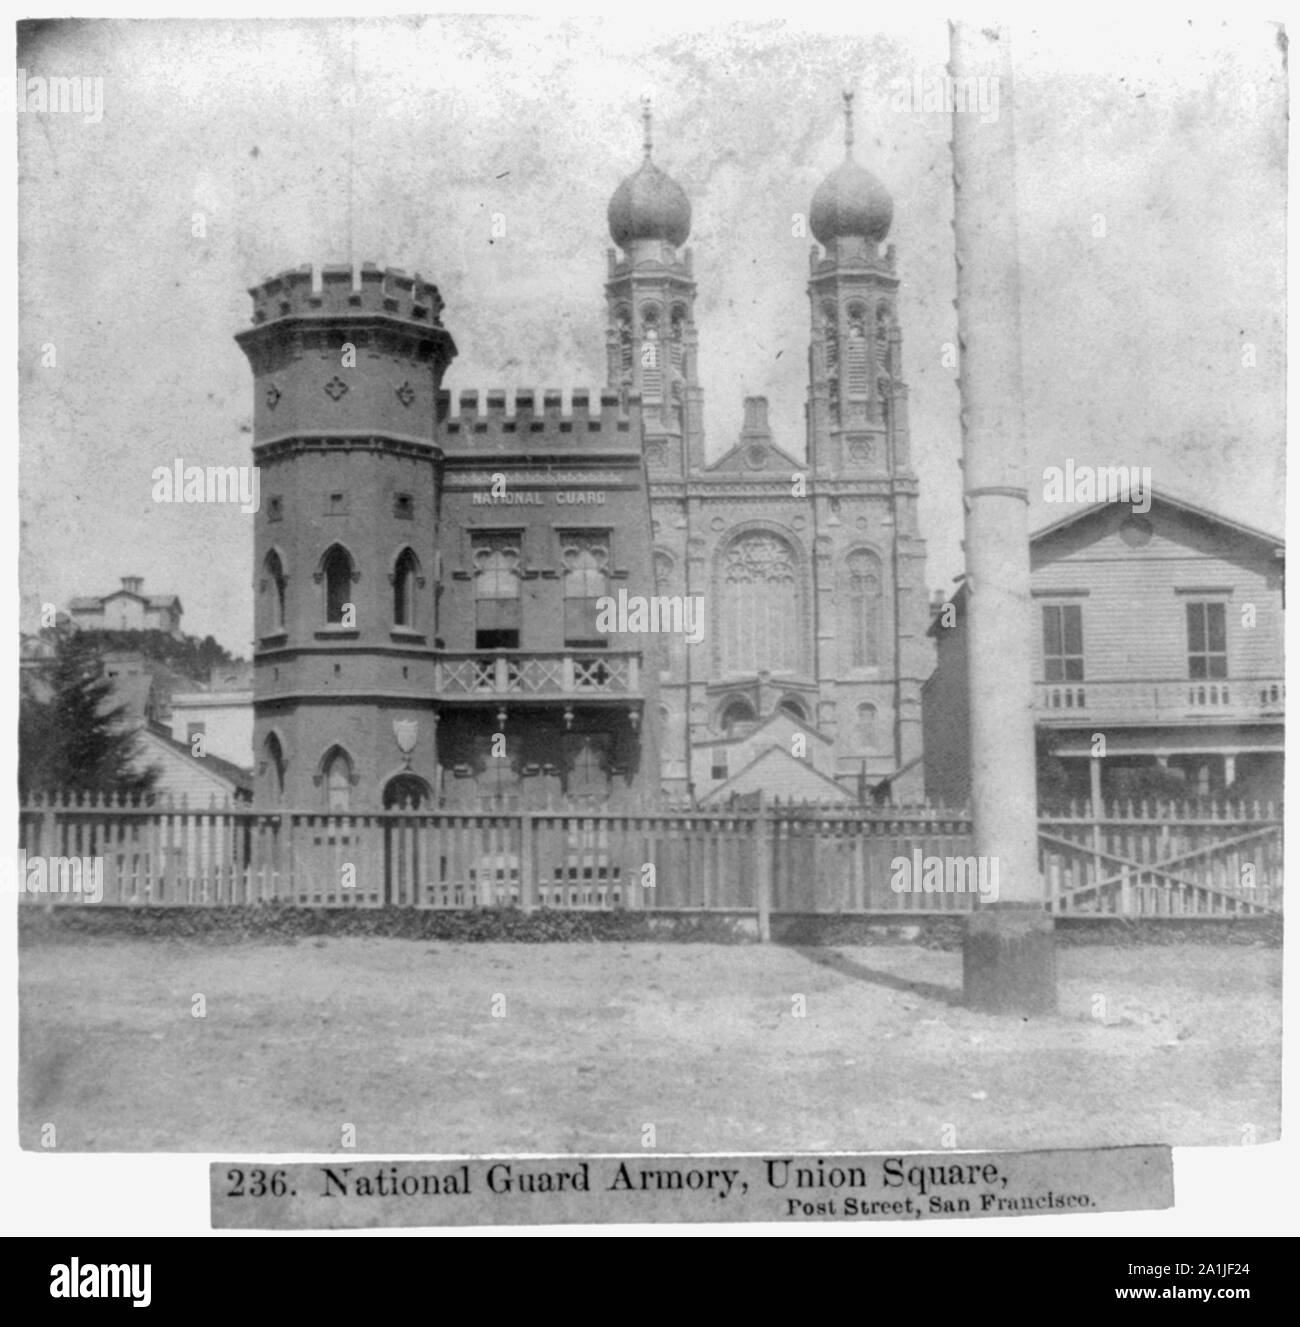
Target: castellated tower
(346, 380)
(432, 584)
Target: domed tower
(873, 653)
(857, 417)
(650, 300)
(347, 370)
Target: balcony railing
(530, 675)
(1161, 701)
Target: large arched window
(274, 764)
(405, 579)
(761, 605)
(861, 621)
(273, 594)
(336, 774)
(337, 571)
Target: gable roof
(1166, 499)
(772, 764)
(222, 771)
(732, 461)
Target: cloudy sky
(1151, 177)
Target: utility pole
(1008, 956)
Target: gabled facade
(1160, 642)
(128, 609)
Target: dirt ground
(482, 1048)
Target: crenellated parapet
(538, 421)
(297, 293)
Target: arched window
(761, 605)
(273, 594)
(738, 718)
(861, 612)
(496, 591)
(792, 707)
(587, 770)
(585, 557)
(866, 734)
(336, 568)
(336, 774)
(274, 754)
(405, 572)
(858, 377)
(652, 374)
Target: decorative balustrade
(529, 674)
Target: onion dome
(649, 204)
(850, 200)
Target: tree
(70, 735)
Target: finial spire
(645, 121)
(848, 124)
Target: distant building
(222, 712)
(128, 609)
(1160, 642)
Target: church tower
(650, 301)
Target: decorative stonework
(405, 394)
(273, 394)
(336, 388)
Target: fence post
(763, 869)
(527, 883)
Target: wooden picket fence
(1167, 862)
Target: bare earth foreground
(595, 1041)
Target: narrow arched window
(404, 584)
(862, 605)
(831, 340)
(274, 754)
(678, 342)
(273, 594)
(866, 730)
(337, 777)
(337, 571)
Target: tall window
(587, 774)
(585, 556)
(652, 374)
(337, 571)
(738, 719)
(862, 605)
(273, 594)
(760, 605)
(677, 344)
(1063, 642)
(337, 777)
(496, 591)
(274, 763)
(623, 319)
(858, 377)
(882, 337)
(866, 732)
(831, 340)
(1207, 640)
(404, 583)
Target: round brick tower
(346, 374)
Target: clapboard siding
(1134, 617)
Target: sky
(1150, 169)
